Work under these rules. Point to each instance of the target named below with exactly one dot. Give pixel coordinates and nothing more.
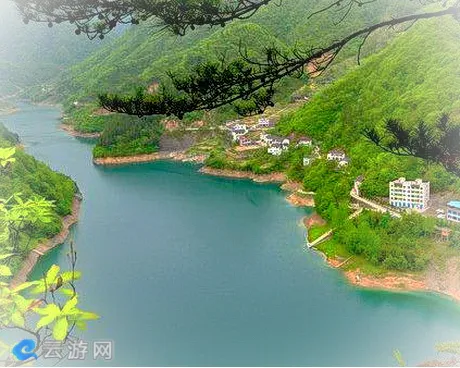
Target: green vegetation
(33, 179)
(411, 83)
(127, 135)
(394, 244)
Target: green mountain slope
(416, 77)
(142, 55)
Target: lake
(187, 269)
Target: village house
(410, 194)
(305, 141)
(237, 133)
(265, 123)
(453, 211)
(336, 155)
(340, 156)
(276, 149)
(344, 162)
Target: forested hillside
(28, 177)
(142, 55)
(33, 54)
(415, 78)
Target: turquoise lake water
(187, 269)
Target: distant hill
(33, 54)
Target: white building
(344, 162)
(340, 156)
(275, 149)
(453, 211)
(410, 194)
(265, 123)
(336, 155)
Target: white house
(344, 162)
(336, 155)
(340, 156)
(240, 127)
(275, 149)
(237, 133)
(266, 138)
(265, 123)
(453, 211)
(285, 143)
(410, 194)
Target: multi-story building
(410, 194)
(453, 211)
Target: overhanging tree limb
(95, 18)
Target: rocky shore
(74, 133)
(49, 244)
(173, 156)
(268, 178)
(448, 284)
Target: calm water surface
(187, 269)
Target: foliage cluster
(128, 135)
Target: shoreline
(69, 129)
(406, 283)
(49, 244)
(276, 178)
(180, 156)
(392, 282)
(7, 112)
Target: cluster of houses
(239, 131)
(415, 195)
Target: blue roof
(455, 204)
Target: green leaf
(67, 292)
(50, 309)
(45, 321)
(22, 303)
(60, 329)
(5, 256)
(5, 271)
(87, 316)
(70, 305)
(24, 286)
(52, 274)
(68, 276)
